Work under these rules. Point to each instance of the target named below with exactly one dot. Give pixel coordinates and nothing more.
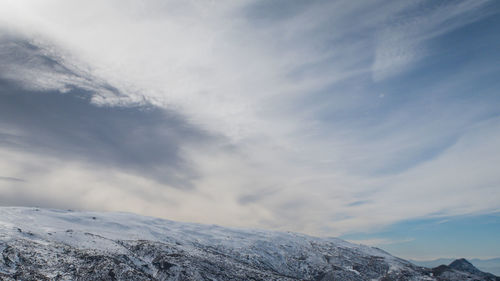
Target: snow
(102, 231)
(70, 227)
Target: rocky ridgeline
(38, 244)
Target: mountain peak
(462, 269)
(464, 265)
(48, 244)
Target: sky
(374, 121)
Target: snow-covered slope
(44, 244)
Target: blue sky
(376, 121)
(426, 239)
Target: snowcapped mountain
(47, 244)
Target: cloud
(11, 179)
(250, 113)
(402, 41)
(455, 183)
(64, 120)
(380, 241)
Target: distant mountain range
(486, 265)
(47, 244)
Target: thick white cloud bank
(309, 139)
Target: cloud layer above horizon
(323, 117)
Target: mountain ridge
(459, 268)
(491, 265)
(50, 244)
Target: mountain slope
(42, 244)
(461, 269)
(486, 265)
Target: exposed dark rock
(461, 269)
(177, 251)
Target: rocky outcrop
(38, 244)
(461, 269)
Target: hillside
(47, 244)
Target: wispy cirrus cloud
(11, 179)
(323, 117)
(404, 38)
(380, 241)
